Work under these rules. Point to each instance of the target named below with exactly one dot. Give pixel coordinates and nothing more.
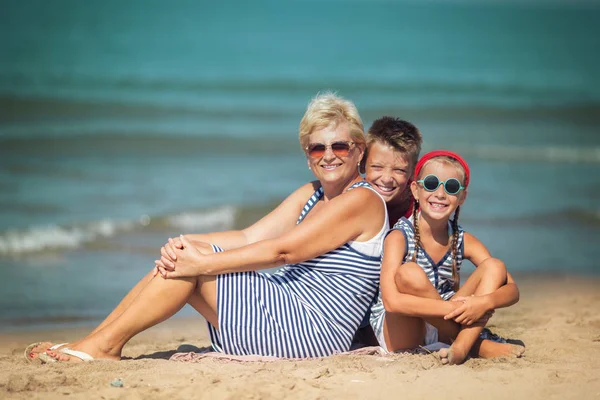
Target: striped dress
(439, 274)
(310, 309)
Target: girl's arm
(507, 294)
(401, 303)
(355, 215)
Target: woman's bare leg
(204, 248)
(156, 302)
(125, 302)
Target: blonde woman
(327, 235)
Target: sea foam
(57, 237)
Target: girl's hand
(473, 309)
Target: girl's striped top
(439, 274)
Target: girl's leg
(156, 302)
(486, 278)
(405, 332)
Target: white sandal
(45, 358)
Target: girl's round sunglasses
(340, 149)
(432, 182)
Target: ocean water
(124, 123)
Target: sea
(123, 123)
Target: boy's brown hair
(403, 136)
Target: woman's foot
(91, 348)
(35, 349)
(80, 351)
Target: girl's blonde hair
(454, 222)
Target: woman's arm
(356, 214)
(282, 219)
(401, 303)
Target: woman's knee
(411, 279)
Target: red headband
(443, 153)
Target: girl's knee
(411, 278)
(494, 267)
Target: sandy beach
(557, 319)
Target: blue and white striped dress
(310, 309)
(439, 274)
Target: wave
(550, 154)
(56, 237)
(384, 82)
(59, 238)
(150, 145)
(569, 216)
(418, 91)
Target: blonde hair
(327, 109)
(454, 222)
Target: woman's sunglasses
(340, 149)
(432, 182)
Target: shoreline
(82, 325)
(556, 318)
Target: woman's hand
(188, 263)
(169, 254)
(473, 309)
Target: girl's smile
(438, 204)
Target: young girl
(420, 271)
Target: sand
(557, 319)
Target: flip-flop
(46, 359)
(32, 346)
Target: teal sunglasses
(432, 182)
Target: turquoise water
(124, 123)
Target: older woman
(328, 234)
